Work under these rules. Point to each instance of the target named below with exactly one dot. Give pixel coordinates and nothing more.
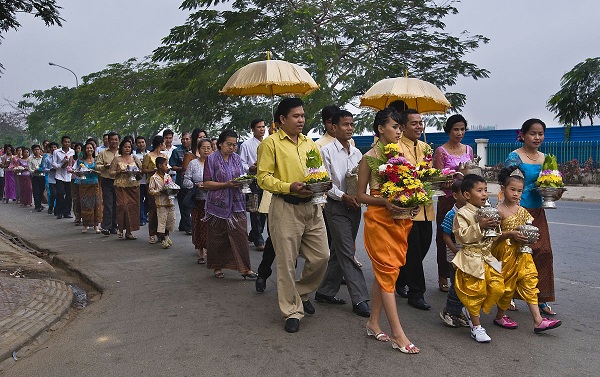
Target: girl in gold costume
(518, 269)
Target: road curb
(52, 300)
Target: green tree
(579, 94)
(346, 45)
(12, 129)
(124, 97)
(47, 10)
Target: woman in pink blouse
(449, 155)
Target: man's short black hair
(286, 105)
(255, 122)
(341, 114)
(328, 112)
(404, 116)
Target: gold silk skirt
(518, 269)
(479, 294)
(386, 242)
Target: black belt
(291, 199)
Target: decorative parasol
(270, 78)
(417, 94)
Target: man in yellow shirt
(419, 238)
(296, 225)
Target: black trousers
(185, 223)
(63, 198)
(109, 202)
(38, 185)
(411, 274)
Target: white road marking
(584, 225)
(573, 282)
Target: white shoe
(467, 316)
(478, 333)
(165, 244)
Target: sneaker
(467, 316)
(153, 240)
(169, 241)
(478, 333)
(449, 319)
(506, 322)
(165, 244)
(462, 320)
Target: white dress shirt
(58, 157)
(337, 162)
(248, 152)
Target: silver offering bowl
(550, 195)
(319, 189)
(489, 212)
(532, 233)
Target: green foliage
(313, 159)
(12, 130)
(47, 10)
(124, 97)
(579, 95)
(346, 45)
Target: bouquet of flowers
(316, 177)
(400, 183)
(550, 183)
(246, 180)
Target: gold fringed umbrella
(270, 78)
(420, 95)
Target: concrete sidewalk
(32, 299)
(33, 303)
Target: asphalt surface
(161, 314)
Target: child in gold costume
(518, 269)
(478, 282)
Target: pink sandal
(506, 322)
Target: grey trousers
(343, 225)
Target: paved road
(161, 314)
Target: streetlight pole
(76, 79)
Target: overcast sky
(532, 44)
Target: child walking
(165, 208)
(478, 282)
(518, 269)
(452, 314)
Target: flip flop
(219, 274)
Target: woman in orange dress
(386, 239)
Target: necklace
(509, 210)
(537, 155)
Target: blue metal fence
(564, 151)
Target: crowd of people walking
(119, 186)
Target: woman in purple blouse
(449, 155)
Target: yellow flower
(392, 149)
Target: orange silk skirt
(386, 242)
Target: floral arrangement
(81, 170)
(400, 183)
(315, 171)
(550, 176)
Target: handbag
(190, 198)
